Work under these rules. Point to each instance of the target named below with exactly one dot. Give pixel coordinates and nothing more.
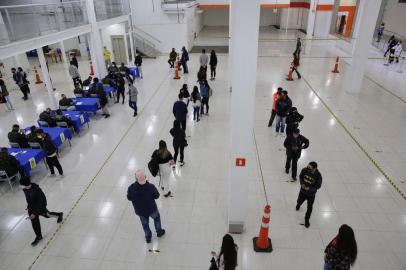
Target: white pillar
(311, 18)
(127, 57)
(3, 31)
(96, 42)
(230, 48)
(287, 20)
(47, 79)
(130, 33)
(368, 17)
(244, 38)
(63, 52)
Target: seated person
(92, 90)
(16, 135)
(113, 68)
(48, 116)
(10, 164)
(124, 71)
(33, 136)
(67, 103)
(107, 80)
(63, 118)
(78, 91)
(88, 81)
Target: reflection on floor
(103, 232)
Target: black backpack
(153, 165)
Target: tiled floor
(102, 231)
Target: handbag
(153, 165)
(210, 91)
(213, 264)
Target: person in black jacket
(143, 194)
(88, 81)
(10, 164)
(98, 88)
(180, 111)
(179, 141)
(282, 108)
(164, 158)
(201, 75)
(120, 88)
(185, 94)
(310, 182)
(47, 116)
(391, 42)
(213, 65)
(17, 136)
(37, 206)
(33, 136)
(138, 64)
(292, 120)
(184, 59)
(66, 102)
(294, 144)
(172, 58)
(51, 153)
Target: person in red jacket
(276, 95)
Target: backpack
(213, 264)
(153, 165)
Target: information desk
(86, 104)
(28, 158)
(79, 119)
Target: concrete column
(127, 57)
(130, 33)
(96, 42)
(47, 79)
(311, 18)
(244, 38)
(368, 15)
(230, 48)
(4, 38)
(63, 51)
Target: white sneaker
(182, 163)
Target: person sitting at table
(10, 164)
(78, 91)
(113, 68)
(124, 71)
(33, 136)
(88, 81)
(51, 153)
(67, 103)
(47, 116)
(16, 135)
(60, 117)
(102, 97)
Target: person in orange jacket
(276, 95)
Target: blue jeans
(8, 103)
(196, 113)
(280, 123)
(327, 267)
(185, 69)
(133, 105)
(145, 224)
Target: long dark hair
(163, 150)
(229, 252)
(213, 53)
(195, 93)
(346, 241)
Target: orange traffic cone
(37, 78)
(179, 64)
(263, 243)
(336, 66)
(91, 69)
(177, 77)
(290, 77)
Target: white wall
(268, 17)
(295, 18)
(112, 30)
(395, 17)
(322, 23)
(216, 17)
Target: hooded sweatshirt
(143, 198)
(312, 181)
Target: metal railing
(106, 9)
(145, 46)
(22, 22)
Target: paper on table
(79, 103)
(13, 154)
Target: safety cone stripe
(265, 225)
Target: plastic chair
(14, 145)
(63, 108)
(43, 123)
(34, 145)
(5, 178)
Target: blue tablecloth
(134, 72)
(58, 135)
(107, 89)
(79, 119)
(86, 104)
(28, 158)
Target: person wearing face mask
(310, 182)
(294, 144)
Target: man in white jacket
(398, 51)
(74, 73)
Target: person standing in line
(51, 153)
(172, 58)
(380, 32)
(37, 206)
(185, 94)
(391, 42)
(138, 64)
(184, 59)
(120, 88)
(213, 65)
(5, 95)
(74, 60)
(298, 49)
(143, 194)
(179, 141)
(294, 66)
(24, 76)
(205, 93)
(275, 97)
(282, 108)
(133, 96)
(165, 160)
(227, 259)
(292, 120)
(74, 73)
(294, 144)
(102, 96)
(204, 60)
(341, 252)
(180, 111)
(196, 103)
(106, 56)
(310, 182)
(19, 80)
(398, 51)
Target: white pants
(165, 173)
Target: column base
(236, 227)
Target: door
(119, 53)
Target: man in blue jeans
(143, 194)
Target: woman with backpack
(227, 259)
(196, 103)
(164, 159)
(179, 141)
(341, 252)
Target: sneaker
(161, 233)
(107, 116)
(198, 120)
(162, 188)
(52, 175)
(36, 241)
(148, 241)
(60, 218)
(307, 223)
(182, 163)
(297, 207)
(287, 171)
(167, 194)
(294, 179)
